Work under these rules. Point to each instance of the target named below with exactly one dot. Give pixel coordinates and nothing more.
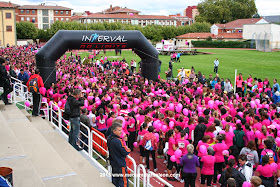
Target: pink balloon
(44, 100)
(55, 107)
(171, 124)
(260, 90)
(225, 152)
(136, 101)
(42, 90)
(178, 153)
(246, 184)
(86, 83)
(100, 91)
(257, 101)
(171, 106)
(186, 137)
(105, 58)
(277, 140)
(217, 102)
(86, 103)
(173, 158)
(185, 111)
(199, 109)
(91, 79)
(164, 128)
(238, 121)
(203, 149)
(258, 134)
(59, 103)
(240, 114)
(98, 102)
(155, 103)
(224, 122)
(51, 93)
(115, 106)
(121, 118)
(252, 103)
(135, 144)
(266, 106)
(27, 103)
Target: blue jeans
(74, 131)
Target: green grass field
(258, 64)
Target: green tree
(26, 30)
(223, 11)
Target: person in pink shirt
(209, 131)
(266, 172)
(239, 81)
(249, 134)
(262, 137)
(219, 147)
(171, 150)
(205, 141)
(177, 136)
(101, 121)
(142, 132)
(182, 143)
(265, 120)
(257, 124)
(111, 116)
(152, 150)
(207, 170)
(229, 136)
(191, 127)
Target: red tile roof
(123, 16)
(206, 35)
(118, 9)
(44, 7)
(196, 35)
(239, 23)
(4, 4)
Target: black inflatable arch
(66, 39)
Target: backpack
(33, 85)
(271, 157)
(148, 145)
(67, 111)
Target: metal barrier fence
(53, 114)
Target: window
(56, 19)
(45, 26)
(45, 20)
(28, 19)
(8, 15)
(21, 11)
(33, 20)
(56, 12)
(67, 12)
(62, 19)
(45, 12)
(67, 19)
(27, 11)
(61, 12)
(22, 18)
(9, 28)
(33, 11)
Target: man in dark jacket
(117, 154)
(199, 131)
(85, 133)
(75, 102)
(4, 81)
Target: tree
(223, 11)
(26, 30)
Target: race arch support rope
(65, 40)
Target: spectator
(4, 82)
(85, 134)
(23, 76)
(75, 102)
(117, 154)
(189, 162)
(34, 83)
(199, 130)
(216, 65)
(246, 167)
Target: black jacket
(4, 78)
(199, 133)
(239, 178)
(117, 151)
(75, 106)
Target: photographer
(75, 101)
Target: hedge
(223, 44)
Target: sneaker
(155, 170)
(182, 181)
(165, 162)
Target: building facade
(191, 12)
(7, 24)
(125, 15)
(182, 20)
(42, 15)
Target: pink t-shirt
(266, 170)
(266, 122)
(262, 138)
(101, 123)
(182, 144)
(171, 142)
(229, 139)
(110, 122)
(208, 165)
(211, 136)
(258, 126)
(219, 148)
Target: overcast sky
(155, 7)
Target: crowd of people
(195, 123)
